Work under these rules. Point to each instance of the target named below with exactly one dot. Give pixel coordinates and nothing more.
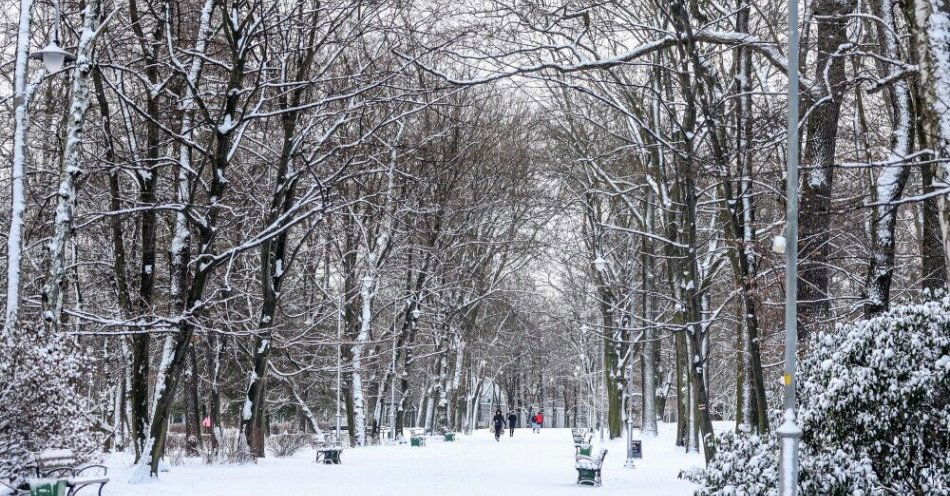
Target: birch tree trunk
(70, 169)
(893, 176)
(932, 25)
(21, 124)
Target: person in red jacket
(540, 419)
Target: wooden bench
(582, 438)
(63, 465)
(583, 449)
(329, 454)
(417, 438)
(589, 468)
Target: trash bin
(47, 487)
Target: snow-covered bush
(41, 403)
(747, 465)
(744, 466)
(874, 409)
(176, 448)
(284, 445)
(232, 448)
(881, 388)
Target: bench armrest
(78, 483)
(103, 470)
(32, 469)
(56, 472)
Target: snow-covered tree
(44, 399)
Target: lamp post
(789, 433)
(339, 363)
(53, 55)
(392, 394)
(630, 463)
(585, 330)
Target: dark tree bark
(821, 133)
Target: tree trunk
(21, 114)
(70, 169)
(927, 22)
(193, 418)
(821, 130)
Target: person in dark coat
(499, 421)
(512, 422)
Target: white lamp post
(339, 363)
(392, 396)
(416, 313)
(53, 55)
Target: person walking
(534, 423)
(499, 421)
(540, 419)
(512, 421)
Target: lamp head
(53, 57)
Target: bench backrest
(55, 458)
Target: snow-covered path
(527, 464)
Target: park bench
(583, 449)
(62, 466)
(416, 438)
(449, 437)
(589, 468)
(329, 454)
(581, 438)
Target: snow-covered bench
(63, 464)
(329, 454)
(588, 468)
(417, 438)
(581, 437)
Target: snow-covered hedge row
(40, 403)
(874, 408)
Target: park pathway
(525, 465)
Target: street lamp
(778, 245)
(339, 363)
(53, 55)
(600, 264)
(630, 460)
(392, 394)
(416, 313)
(789, 433)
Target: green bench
(330, 455)
(58, 473)
(581, 437)
(449, 437)
(415, 440)
(582, 449)
(589, 468)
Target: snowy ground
(526, 464)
